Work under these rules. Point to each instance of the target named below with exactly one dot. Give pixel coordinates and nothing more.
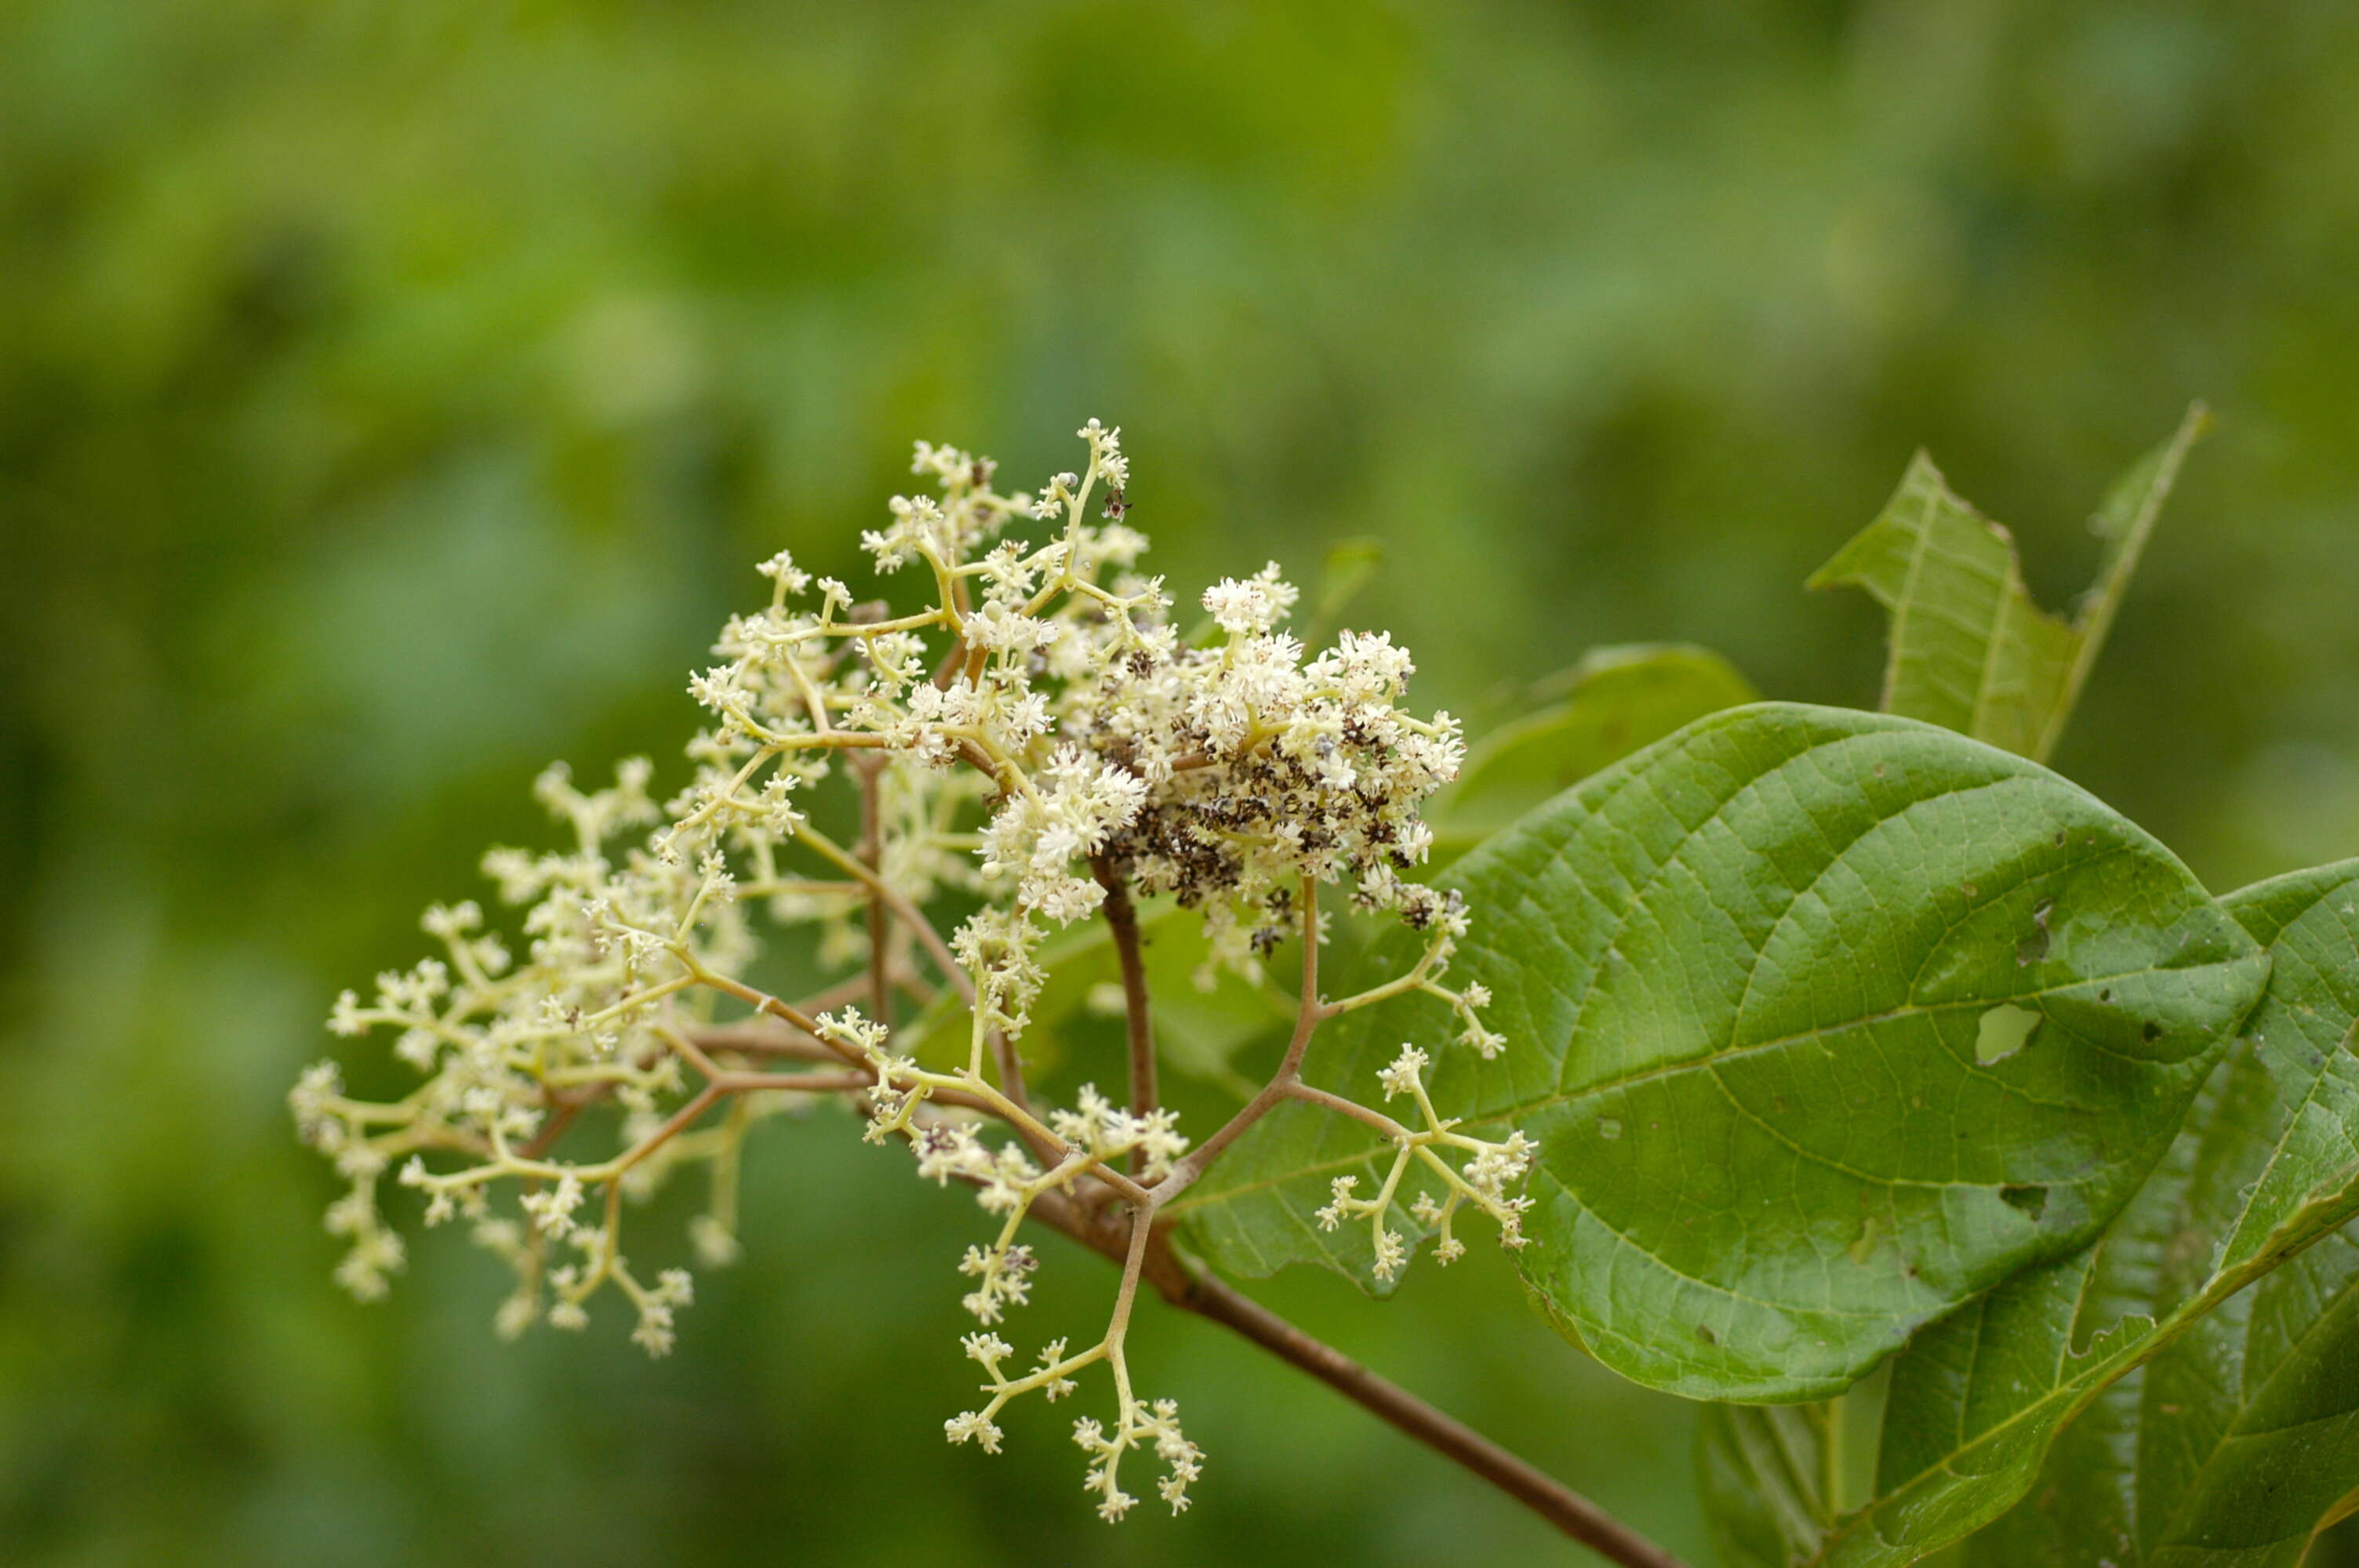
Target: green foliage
(331, 329)
(2179, 1391)
(1969, 648)
(1774, 1477)
(1351, 564)
(1612, 703)
(2264, 1169)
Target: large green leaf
(2231, 1447)
(1616, 700)
(1745, 974)
(1971, 1406)
(2213, 1426)
(1970, 651)
(2234, 1441)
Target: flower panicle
(1041, 728)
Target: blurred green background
(393, 396)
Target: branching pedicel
(1040, 737)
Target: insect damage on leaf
(2003, 1031)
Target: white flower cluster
(1108, 1133)
(1489, 1170)
(1224, 773)
(1138, 1423)
(1154, 1425)
(1038, 732)
(1097, 1134)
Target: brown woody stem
(872, 854)
(1122, 920)
(1194, 1289)
(1567, 1510)
(1309, 1013)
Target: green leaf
(2232, 1446)
(1970, 651)
(1774, 1478)
(1347, 568)
(1618, 700)
(1760, 1471)
(1743, 974)
(2237, 1441)
(2219, 1427)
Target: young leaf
(1619, 699)
(1970, 651)
(2188, 1460)
(1761, 1472)
(1743, 974)
(1347, 568)
(1774, 1478)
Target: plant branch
(1309, 1013)
(1296, 1089)
(872, 853)
(1003, 1054)
(1192, 1288)
(894, 900)
(1122, 920)
(1209, 1296)
(1131, 1238)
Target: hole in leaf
(2106, 995)
(1706, 1335)
(2032, 1201)
(2005, 1029)
(2153, 1032)
(2033, 947)
(1608, 1128)
(2060, 837)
